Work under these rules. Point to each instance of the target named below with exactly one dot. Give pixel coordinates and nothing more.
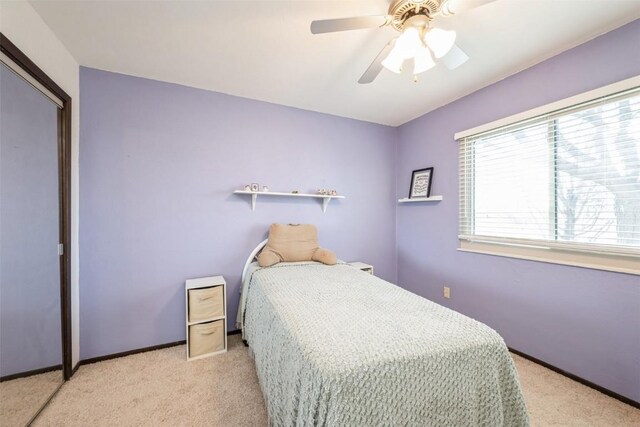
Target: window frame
(623, 259)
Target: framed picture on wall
(421, 183)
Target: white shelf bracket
(325, 203)
(254, 197)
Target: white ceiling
(264, 50)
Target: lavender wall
(30, 325)
(586, 322)
(158, 163)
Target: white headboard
(254, 253)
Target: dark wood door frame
(64, 192)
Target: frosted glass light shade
(440, 41)
(408, 43)
(423, 61)
(393, 61)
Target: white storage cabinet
(206, 312)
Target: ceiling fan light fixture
(408, 43)
(393, 62)
(423, 61)
(440, 41)
(418, 39)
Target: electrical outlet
(447, 292)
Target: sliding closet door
(30, 299)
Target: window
(567, 180)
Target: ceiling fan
(419, 38)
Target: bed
(335, 346)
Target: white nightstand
(206, 311)
(362, 266)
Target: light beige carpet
(22, 398)
(160, 388)
(555, 400)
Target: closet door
(30, 290)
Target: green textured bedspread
(335, 346)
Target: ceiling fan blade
(376, 66)
(454, 58)
(455, 7)
(344, 24)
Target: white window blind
(569, 179)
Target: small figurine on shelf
(247, 187)
(334, 193)
(255, 187)
(295, 192)
(265, 189)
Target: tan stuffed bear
(294, 242)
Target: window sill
(615, 263)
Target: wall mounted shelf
(254, 197)
(421, 199)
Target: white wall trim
(618, 264)
(554, 106)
